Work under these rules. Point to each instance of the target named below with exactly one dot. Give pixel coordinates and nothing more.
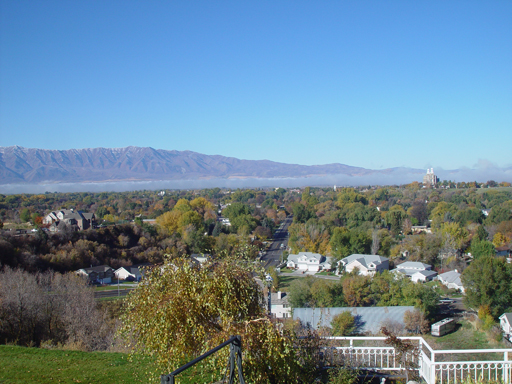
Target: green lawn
(505, 189)
(325, 273)
(465, 337)
(285, 281)
(113, 287)
(36, 365)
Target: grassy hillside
(36, 365)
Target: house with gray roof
(279, 305)
(416, 271)
(423, 276)
(101, 274)
(135, 272)
(368, 265)
(451, 279)
(77, 220)
(368, 320)
(309, 262)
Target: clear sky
(375, 84)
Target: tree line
(354, 290)
(52, 309)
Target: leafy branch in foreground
(405, 351)
(182, 310)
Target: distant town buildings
(430, 179)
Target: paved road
(273, 256)
(455, 309)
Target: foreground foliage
(488, 281)
(182, 310)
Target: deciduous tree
(343, 324)
(181, 311)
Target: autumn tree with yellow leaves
(182, 310)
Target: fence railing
(235, 361)
(435, 366)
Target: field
(37, 365)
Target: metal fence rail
(235, 361)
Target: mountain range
(20, 165)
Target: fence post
(433, 368)
(506, 367)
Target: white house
(423, 276)
(506, 325)
(224, 221)
(279, 305)
(420, 228)
(451, 279)
(368, 265)
(416, 271)
(135, 272)
(309, 261)
(200, 258)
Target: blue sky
(375, 84)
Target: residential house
(101, 274)
(279, 305)
(423, 276)
(200, 258)
(133, 273)
(504, 251)
(451, 279)
(368, 265)
(224, 221)
(77, 220)
(416, 271)
(415, 229)
(506, 325)
(309, 262)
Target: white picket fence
(434, 366)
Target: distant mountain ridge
(30, 165)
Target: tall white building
(430, 179)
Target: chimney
(279, 295)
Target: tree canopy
(182, 310)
